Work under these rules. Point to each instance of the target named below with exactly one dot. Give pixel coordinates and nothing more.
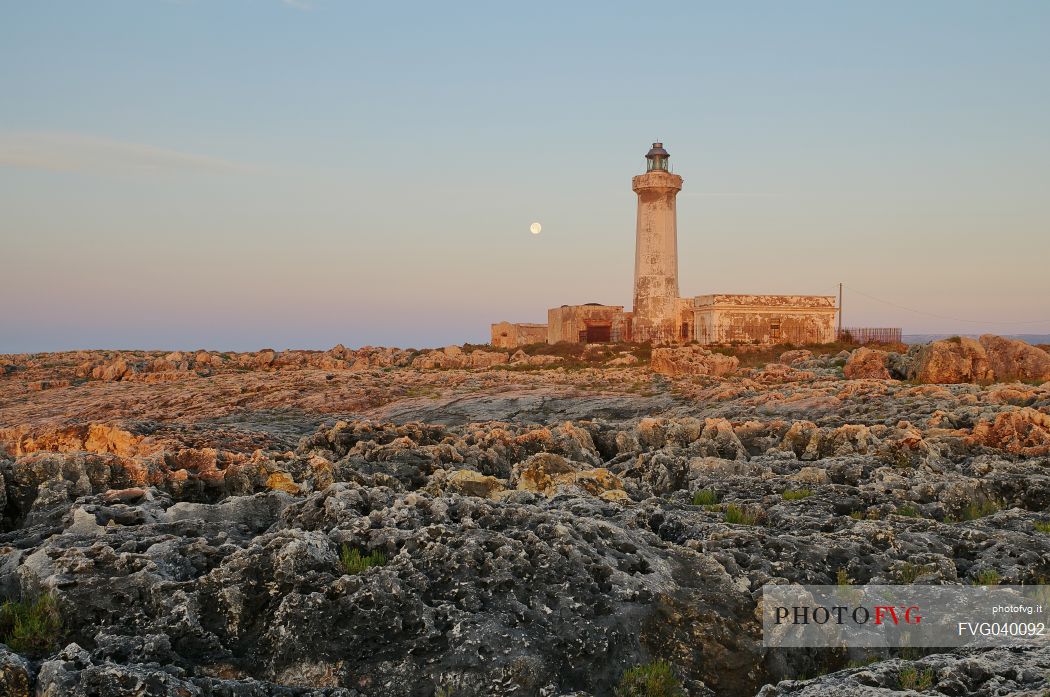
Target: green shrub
(911, 678)
(31, 626)
(797, 494)
(908, 510)
(705, 497)
(739, 516)
(1042, 526)
(987, 577)
(656, 679)
(354, 563)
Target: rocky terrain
(476, 522)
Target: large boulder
(114, 370)
(471, 483)
(1022, 432)
(993, 358)
(15, 674)
(692, 360)
(546, 473)
(866, 363)
(953, 361)
(455, 357)
(1012, 359)
(795, 356)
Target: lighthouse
(660, 315)
(656, 250)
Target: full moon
(535, 228)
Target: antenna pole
(840, 312)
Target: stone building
(511, 334)
(764, 319)
(660, 315)
(587, 324)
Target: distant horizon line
(1039, 337)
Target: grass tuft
(974, 511)
(31, 626)
(909, 572)
(656, 679)
(1042, 526)
(735, 515)
(911, 678)
(353, 562)
(987, 577)
(797, 494)
(705, 497)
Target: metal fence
(870, 335)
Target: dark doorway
(599, 333)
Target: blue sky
(234, 174)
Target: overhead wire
(932, 314)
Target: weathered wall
(565, 323)
(513, 334)
(686, 321)
(656, 257)
(764, 319)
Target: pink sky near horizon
(374, 182)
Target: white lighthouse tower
(656, 251)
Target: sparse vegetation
(909, 572)
(737, 515)
(908, 510)
(987, 577)
(573, 356)
(705, 497)
(587, 354)
(842, 578)
(756, 356)
(975, 511)
(902, 460)
(31, 626)
(422, 391)
(866, 661)
(656, 679)
(353, 562)
(1042, 526)
(796, 494)
(911, 678)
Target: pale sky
(239, 174)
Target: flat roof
(772, 301)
